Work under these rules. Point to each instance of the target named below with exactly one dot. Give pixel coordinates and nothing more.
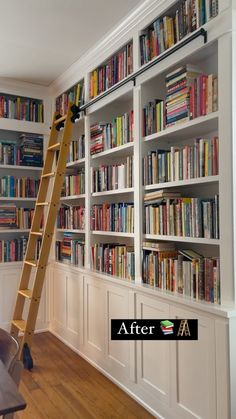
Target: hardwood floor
(64, 385)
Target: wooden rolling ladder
(54, 168)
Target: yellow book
(77, 98)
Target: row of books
(184, 271)
(112, 71)
(74, 184)
(113, 217)
(166, 31)
(166, 213)
(13, 217)
(105, 136)
(14, 250)
(113, 259)
(116, 176)
(28, 152)
(24, 187)
(70, 250)
(31, 149)
(77, 149)
(74, 95)
(190, 94)
(71, 218)
(154, 119)
(181, 163)
(25, 109)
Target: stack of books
(77, 149)
(113, 217)
(105, 136)
(167, 327)
(181, 163)
(70, 250)
(111, 72)
(24, 187)
(71, 218)
(153, 117)
(185, 17)
(113, 259)
(184, 271)
(25, 109)
(117, 176)
(190, 94)
(8, 216)
(75, 95)
(166, 213)
(74, 184)
(31, 150)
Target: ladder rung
(31, 262)
(37, 233)
(51, 174)
(26, 293)
(60, 119)
(54, 147)
(42, 204)
(20, 324)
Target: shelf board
(24, 126)
(6, 198)
(111, 233)
(177, 183)
(75, 163)
(123, 93)
(114, 192)
(193, 128)
(13, 167)
(10, 264)
(197, 240)
(14, 230)
(119, 151)
(65, 230)
(72, 197)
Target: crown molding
(23, 88)
(121, 34)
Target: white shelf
(177, 183)
(24, 126)
(72, 197)
(119, 151)
(4, 198)
(13, 167)
(189, 129)
(65, 230)
(123, 93)
(10, 264)
(111, 233)
(75, 163)
(14, 230)
(114, 192)
(197, 240)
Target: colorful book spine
(183, 217)
(113, 217)
(70, 250)
(197, 277)
(14, 250)
(72, 218)
(117, 176)
(112, 71)
(74, 184)
(113, 259)
(24, 109)
(166, 31)
(110, 135)
(182, 163)
(77, 149)
(153, 117)
(75, 95)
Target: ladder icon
(49, 198)
(184, 329)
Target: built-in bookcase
(74, 94)
(197, 137)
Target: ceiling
(39, 40)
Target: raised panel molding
(153, 357)
(194, 370)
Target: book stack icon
(167, 327)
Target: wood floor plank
(64, 385)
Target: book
(22, 108)
(113, 217)
(75, 95)
(74, 184)
(70, 250)
(71, 217)
(117, 176)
